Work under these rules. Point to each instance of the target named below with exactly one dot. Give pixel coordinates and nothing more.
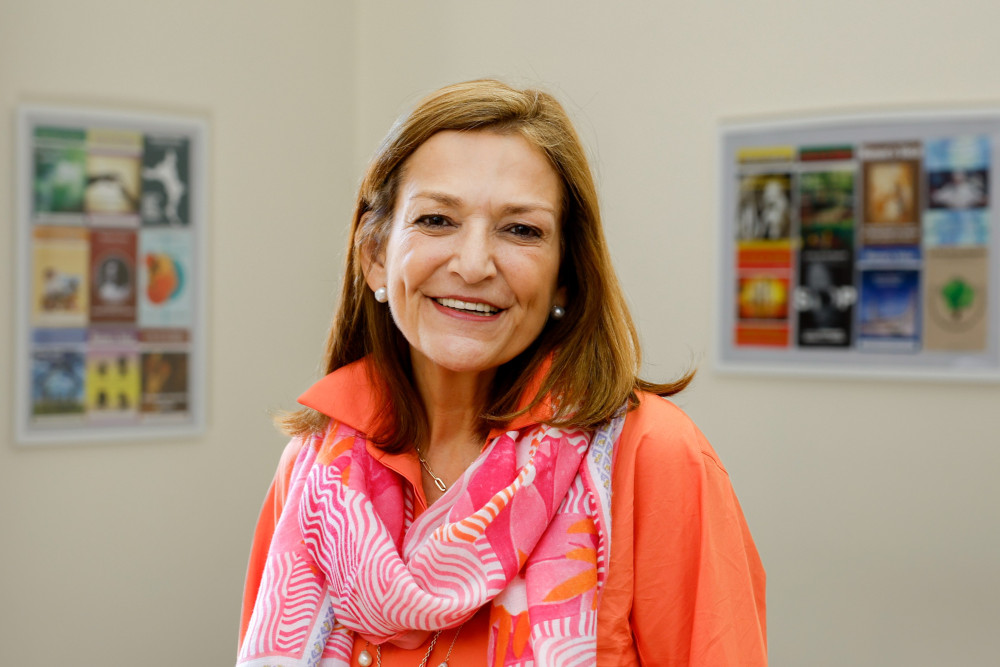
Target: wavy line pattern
(300, 606)
(286, 610)
(338, 569)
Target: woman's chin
(458, 359)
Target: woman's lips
(477, 307)
(467, 309)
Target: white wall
(133, 554)
(874, 504)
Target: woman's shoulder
(292, 455)
(658, 433)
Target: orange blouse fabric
(685, 586)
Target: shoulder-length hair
(593, 350)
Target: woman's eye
(524, 231)
(433, 221)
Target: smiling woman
(447, 493)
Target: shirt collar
(348, 396)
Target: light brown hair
(594, 348)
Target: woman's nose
(473, 256)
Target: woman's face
(472, 258)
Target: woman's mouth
(473, 307)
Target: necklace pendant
(444, 664)
(365, 658)
(438, 482)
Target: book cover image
(763, 297)
(60, 173)
(764, 209)
(113, 383)
(826, 204)
(57, 382)
(164, 382)
(166, 181)
(956, 296)
(824, 302)
(165, 257)
(762, 308)
(891, 187)
(889, 310)
(958, 172)
(113, 183)
(60, 276)
(113, 275)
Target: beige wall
(874, 504)
(133, 554)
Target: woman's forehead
(454, 168)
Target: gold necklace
(438, 482)
(365, 657)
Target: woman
(447, 495)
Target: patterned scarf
(527, 528)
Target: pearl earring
(381, 295)
(558, 312)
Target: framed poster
(111, 275)
(861, 246)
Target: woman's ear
(372, 263)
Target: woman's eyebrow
(445, 199)
(440, 197)
(520, 209)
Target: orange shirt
(685, 585)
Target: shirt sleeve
(270, 512)
(695, 596)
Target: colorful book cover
(958, 172)
(165, 261)
(112, 385)
(762, 297)
(891, 193)
(956, 297)
(60, 276)
(166, 181)
(60, 174)
(57, 382)
(114, 160)
(889, 310)
(113, 375)
(113, 278)
(165, 383)
(826, 209)
(763, 276)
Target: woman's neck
(454, 403)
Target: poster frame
(177, 422)
(854, 128)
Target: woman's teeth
(468, 306)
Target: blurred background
(874, 503)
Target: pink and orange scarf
(526, 529)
